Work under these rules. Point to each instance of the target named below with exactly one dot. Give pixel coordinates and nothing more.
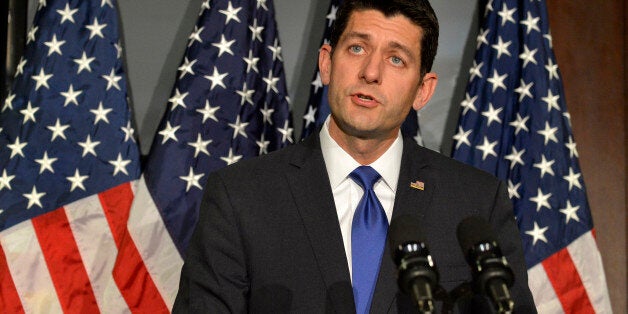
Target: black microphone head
(403, 230)
(474, 230)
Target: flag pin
(419, 185)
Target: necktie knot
(365, 176)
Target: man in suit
(285, 232)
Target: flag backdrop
(229, 102)
(318, 108)
(68, 163)
(514, 124)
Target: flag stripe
(64, 262)
(564, 277)
(98, 250)
(544, 295)
(9, 300)
(130, 273)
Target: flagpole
(14, 26)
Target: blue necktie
(368, 235)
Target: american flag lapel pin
(419, 185)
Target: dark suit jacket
(268, 238)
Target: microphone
(417, 275)
(492, 275)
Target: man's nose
(371, 71)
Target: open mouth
(364, 97)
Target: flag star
(5, 180)
(96, 29)
(118, 47)
(528, 55)
(169, 133)
(120, 165)
(200, 146)
(34, 198)
(545, 166)
(8, 102)
(549, 133)
(246, 94)
(20, 67)
(208, 112)
(475, 70)
(256, 31)
(286, 132)
(551, 100)
(84, 63)
(489, 7)
(263, 145)
(541, 200)
(251, 62)
(548, 36)
(567, 117)
(271, 82)
(497, 80)
(112, 79)
(67, 14)
(267, 114)
(239, 127)
(513, 190)
(317, 83)
(310, 116)
(468, 103)
(231, 158)
(88, 146)
(107, 2)
(231, 13)
(101, 113)
(186, 67)
(262, 3)
(45, 163)
(462, 137)
(552, 69)
(58, 130)
(481, 39)
(502, 47)
(487, 148)
(520, 124)
(70, 96)
(128, 132)
(531, 23)
(492, 114)
(196, 36)
(515, 157)
(507, 15)
(54, 45)
(16, 148)
(524, 90)
(332, 15)
(77, 181)
(216, 78)
(177, 99)
(573, 179)
(31, 34)
(41, 79)
(192, 180)
(537, 233)
(29, 113)
(205, 6)
(571, 145)
(276, 49)
(224, 46)
(41, 4)
(570, 212)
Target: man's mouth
(364, 97)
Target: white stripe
(586, 257)
(98, 251)
(545, 297)
(28, 269)
(154, 244)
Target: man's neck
(363, 150)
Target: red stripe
(130, 273)
(565, 279)
(9, 299)
(64, 262)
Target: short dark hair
(420, 12)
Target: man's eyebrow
(359, 35)
(407, 51)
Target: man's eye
(396, 60)
(356, 49)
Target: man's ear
(425, 91)
(324, 63)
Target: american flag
(229, 103)
(514, 123)
(318, 108)
(68, 165)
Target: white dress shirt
(347, 193)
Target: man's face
(374, 75)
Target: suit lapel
(315, 203)
(409, 200)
